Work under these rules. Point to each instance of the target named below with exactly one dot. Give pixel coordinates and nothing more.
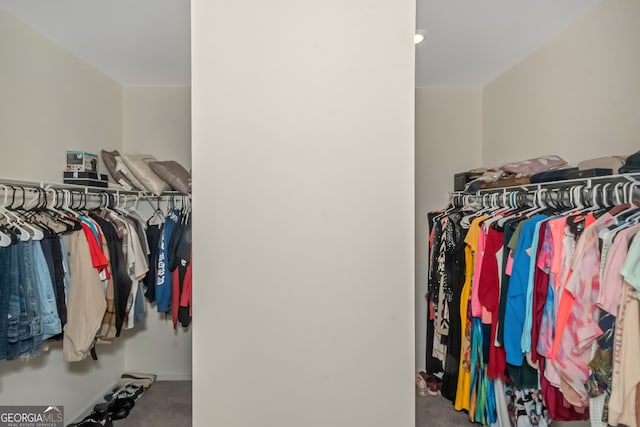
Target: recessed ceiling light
(419, 36)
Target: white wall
(577, 96)
(51, 102)
(448, 141)
(303, 157)
(157, 120)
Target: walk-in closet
(533, 329)
(326, 151)
(92, 78)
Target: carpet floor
(432, 411)
(166, 403)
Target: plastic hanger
(540, 203)
(575, 200)
(12, 218)
(134, 207)
(635, 216)
(67, 202)
(5, 239)
(537, 203)
(158, 215)
(628, 198)
(38, 212)
(58, 215)
(35, 232)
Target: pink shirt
(543, 262)
(612, 281)
(581, 328)
(476, 306)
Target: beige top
(86, 302)
(626, 369)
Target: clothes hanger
(576, 223)
(158, 215)
(5, 238)
(37, 213)
(537, 203)
(541, 204)
(516, 209)
(186, 210)
(628, 199)
(575, 200)
(594, 205)
(82, 204)
(635, 214)
(51, 210)
(133, 209)
(12, 220)
(18, 221)
(479, 207)
(67, 203)
(35, 232)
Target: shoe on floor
(94, 420)
(145, 380)
(421, 385)
(433, 383)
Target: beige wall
(577, 96)
(303, 152)
(157, 120)
(51, 102)
(448, 141)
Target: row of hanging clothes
(533, 304)
(77, 274)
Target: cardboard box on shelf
(88, 179)
(81, 161)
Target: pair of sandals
(117, 406)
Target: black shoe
(94, 420)
(117, 408)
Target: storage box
(460, 180)
(507, 182)
(80, 161)
(588, 173)
(88, 179)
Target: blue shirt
(164, 282)
(514, 317)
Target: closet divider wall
(76, 264)
(533, 301)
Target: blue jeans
(5, 294)
(138, 308)
(15, 303)
(67, 269)
(48, 310)
(30, 326)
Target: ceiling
(471, 42)
(135, 42)
(147, 42)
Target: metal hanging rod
(84, 189)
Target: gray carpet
(166, 403)
(435, 411)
